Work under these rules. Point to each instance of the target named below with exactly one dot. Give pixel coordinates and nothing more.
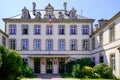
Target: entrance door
(61, 65)
(37, 65)
(49, 65)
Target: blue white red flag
(50, 19)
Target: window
(61, 44)
(61, 30)
(93, 59)
(112, 61)
(37, 44)
(93, 43)
(101, 38)
(49, 45)
(49, 30)
(101, 59)
(12, 29)
(24, 44)
(73, 30)
(73, 16)
(3, 40)
(85, 45)
(12, 44)
(37, 29)
(85, 29)
(25, 15)
(25, 29)
(112, 32)
(73, 45)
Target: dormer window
(49, 11)
(73, 14)
(25, 13)
(61, 16)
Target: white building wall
(6, 37)
(55, 37)
(108, 48)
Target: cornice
(46, 21)
(3, 33)
(106, 24)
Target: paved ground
(49, 77)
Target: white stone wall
(1, 35)
(55, 37)
(108, 48)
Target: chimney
(101, 22)
(96, 27)
(34, 10)
(65, 5)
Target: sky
(95, 9)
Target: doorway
(37, 65)
(61, 65)
(49, 65)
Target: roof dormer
(25, 13)
(49, 9)
(73, 14)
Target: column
(55, 65)
(43, 65)
(118, 62)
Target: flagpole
(50, 28)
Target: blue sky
(95, 9)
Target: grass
(69, 77)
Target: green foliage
(0, 59)
(76, 71)
(25, 70)
(87, 71)
(65, 75)
(82, 62)
(102, 71)
(11, 61)
(85, 62)
(69, 66)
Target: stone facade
(69, 37)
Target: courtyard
(57, 77)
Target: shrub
(87, 71)
(76, 71)
(0, 59)
(69, 66)
(102, 70)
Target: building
(49, 38)
(106, 43)
(3, 38)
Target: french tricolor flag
(50, 18)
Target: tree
(11, 62)
(85, 62)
